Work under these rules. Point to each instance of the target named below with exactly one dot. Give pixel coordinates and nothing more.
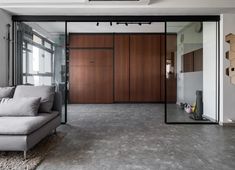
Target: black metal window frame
(42, 46)
(147, 18)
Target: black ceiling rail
(127, 18)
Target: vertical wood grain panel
(91, 41)
(145, 68)
(91, 76)
(171, 55)
(163, 65)
(121, 73)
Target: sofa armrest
(57, 105)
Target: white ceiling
(143, 7)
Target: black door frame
(158, 18)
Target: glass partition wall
(188, 77)
(191, 72)
(40, 51)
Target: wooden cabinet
(107, 68)
(90, 73)
(193, 61)
(90, 41)
(122, 68)
(169, 57)
(145, 67)
(188, 62)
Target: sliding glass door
(191, 72)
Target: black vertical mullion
(13, 53)
(218, 71)
(113, 67)
(66, 73)
(165, 37)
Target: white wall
(209, 70)
(5, 19)
(192, 83)
(227, 90)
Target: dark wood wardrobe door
(163, 67)
(81, 84)
(171, 81)
(145, 77)
(91, 76)
(122, 75)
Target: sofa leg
(25, 155)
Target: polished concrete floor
(135, 137)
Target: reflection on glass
(41, 50)
(191, 72)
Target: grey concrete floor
(134, 137)
(175, 114)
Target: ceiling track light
(133, 23)
(127, 23)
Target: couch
(21, 133)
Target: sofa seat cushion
(24, 125)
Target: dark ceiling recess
(115, 0)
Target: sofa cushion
(19, 107)
(46, 93)
(6, 92)
(24, 125)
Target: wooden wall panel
(145, 68)
(121, 73)
(88, 57)
(163, 66)
(81, 84)
(91, 76)
(172, 79)
(91, 41)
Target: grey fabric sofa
(22, 133)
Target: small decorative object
(230, 55)
(188, 108)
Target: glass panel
(43, 55)
(48, 57)
(36, 39)
(47, 45)
(191, 58)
